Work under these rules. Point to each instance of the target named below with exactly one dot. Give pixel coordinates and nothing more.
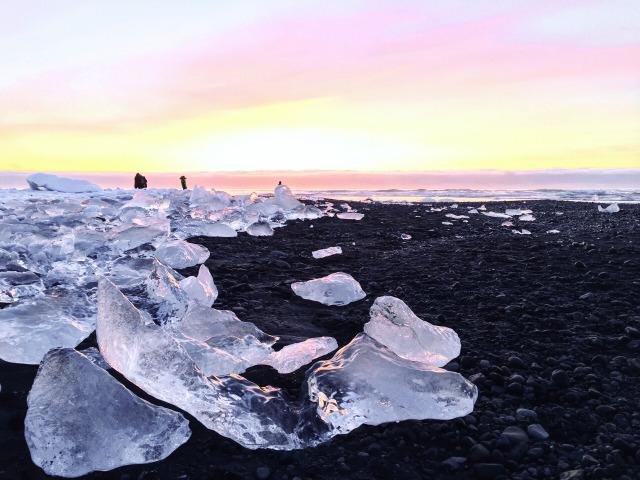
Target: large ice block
(80, 419)
(181, 254)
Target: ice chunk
(284, 198)
(45, 181)
(326, 252)
(146, 355)
(292, 357)
(165, 300)
(613, 208)
(395, 326)
(260, 229)
(335, 289)
(521, 232)
(181, 254)
(200, 289)
(30, 329)
(350, 216)
(366, 383)
(496, 214)
(517, 211)
(482, 208)
(527, 218)
(19, 285)
(553, 231)
(447, 223)
(215, 229)
(129, 237)
(456, 217)
(473, 211)
(405, 236)
(80, 419)
(507, 223)
(93, 354)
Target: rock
(526, 415)
(478, 452)
(515, 362)
(262, 473)
(560, 378)
(537, 432)
(572, 475)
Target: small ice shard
(559, 213)
(346, 207)
(455, 217)
(292, 357)
(613, 208)
(200, 289)
(447, 223)
(326, 252)
(496, 214)
(405, 236)
(521, 232)
(45, 181)
(482, 208)
(553, 231)
(366, 383)
(260, 229)
(517, 211)
(350, 216)
(335, 289)
(395, 326)
(507, 223)
(151, 358)
(527, 218)
(473, 211)
(80, 419)
(181, 254)
(453, 205)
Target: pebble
(262, 473)
(537, 432)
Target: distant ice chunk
(405, 236)
(285, 199)
(366, 383)
(350, 216)
(447, 223)
(46, 181)
(216, 229)
(326, 252)
(292, 357)
(260, 229)
(517, 211)
(613, 208)
(80, 419)
(496, 214)
(335, 289)
(456, 217)
(200, 289)
(507, 223)
(394, 325)
(473, 211)
(521, 232)
(553, 231)
(181, 254)
(482, 208)
(527, 218)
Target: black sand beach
(549, 323)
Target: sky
(358, 85)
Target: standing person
(183, 182)
(139, 181)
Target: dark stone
(489, 471)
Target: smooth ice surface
(46, 181)
(335, 289)
(146, 355)
(292, 357)
(350, 216)
(80, 419)
(326, 252)
(260, 229)
(200, 289)
(395, 326)
(613, 208)
(181, 254)
(366, 383)
(30, 329)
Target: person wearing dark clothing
(183, 182)
(139, 181)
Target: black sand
(549, 323)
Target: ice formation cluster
(104, 260)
